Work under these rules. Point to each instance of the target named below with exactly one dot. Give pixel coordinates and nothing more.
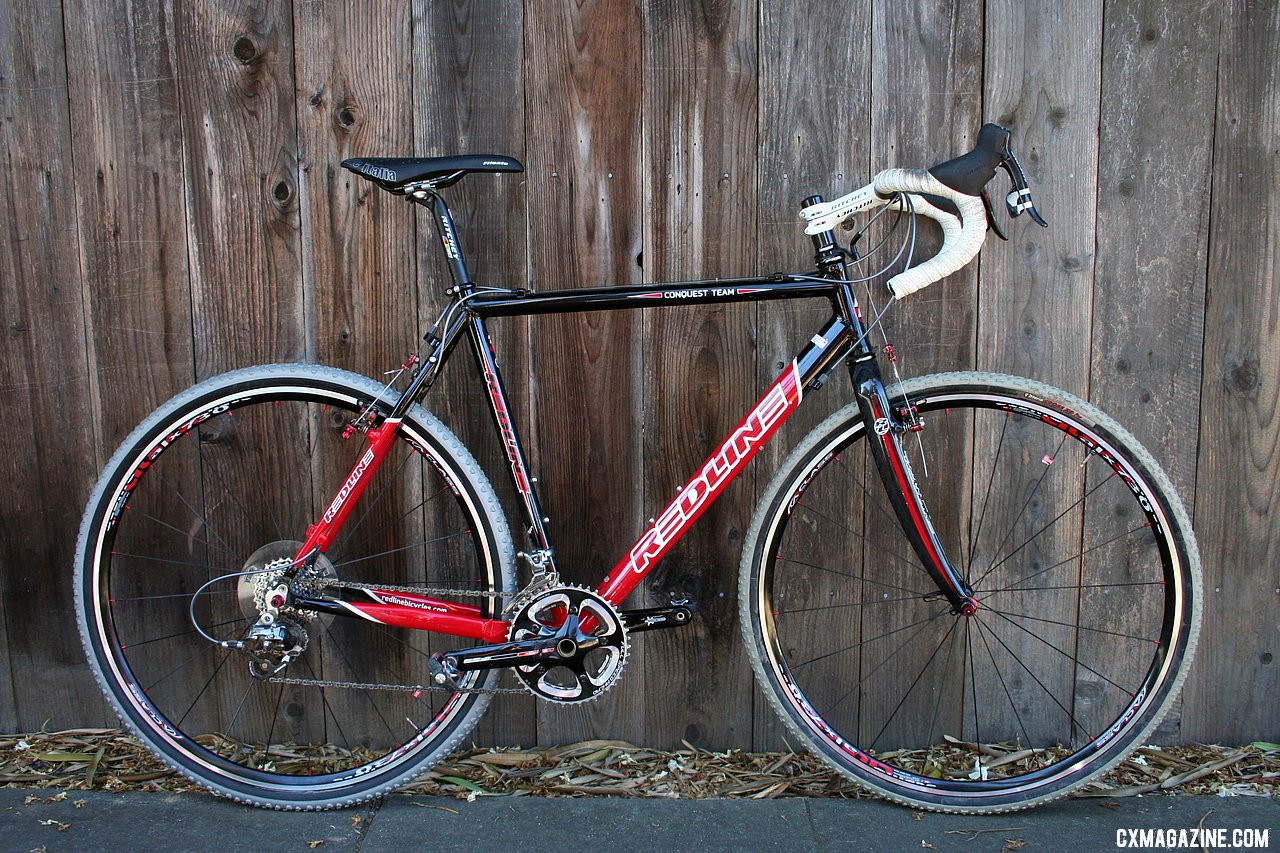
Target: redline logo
(350, 484)
(508, 435)
(718, 470)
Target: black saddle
(395, 173)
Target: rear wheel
(1081, 559)
(188, 530)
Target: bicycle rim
(1078, 553)
(206, 496)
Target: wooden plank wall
(172, 207)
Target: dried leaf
(465, 783)
(64, 756)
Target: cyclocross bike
(967, 591)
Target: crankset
(566, 644)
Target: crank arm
(654, 618)
(503, 655)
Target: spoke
(1074, 557)
(1048, 692)
(371, 503)
(873, 499)
(186, 633)
(923, 623)
(329, 713)
(1013, 705)
(186, 534)
(209, 647)
(222, 594)
(861, 643)
(973, 683)
(199, 516)
(337, 647)
(227, 490)
(1014, 526)
(1062, 652)
(1054, 521)
(878, 547)
(211, 567)
(913, 593)
(825, 607)
(986, 499)
(1007, 613)
(912, 688)
(1069, 586)
(937, 706)
(221, 663)
(275, 715)
(398, 550)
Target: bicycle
(287, 629)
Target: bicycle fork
(884, 427)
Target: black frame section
(842, 338)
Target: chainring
(587, 662)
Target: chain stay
(406, 688)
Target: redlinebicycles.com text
(1196, 839)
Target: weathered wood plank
(1042, 77)
(354, 68)
(128, 146)
(236, 91)
(235, 73)
(1148, 304)
(583, 79)
(926, 107)
(926, 102)
(810, 142)
(49, 434)
(469, 98)
(1231, 694)
(700, 149)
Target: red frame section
(405, 610)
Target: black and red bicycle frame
(841, 339)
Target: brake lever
(1019, 198)
(991, 216)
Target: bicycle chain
(407, 688)
(415, 590)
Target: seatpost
(449, 237)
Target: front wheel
(1079, 553)
(190, 528)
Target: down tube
(773, 408)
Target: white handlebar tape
(959, 246)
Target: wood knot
(1243, 377)
(245, 50)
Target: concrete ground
(99, 821)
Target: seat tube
(511, 446)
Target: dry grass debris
(108, 759)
